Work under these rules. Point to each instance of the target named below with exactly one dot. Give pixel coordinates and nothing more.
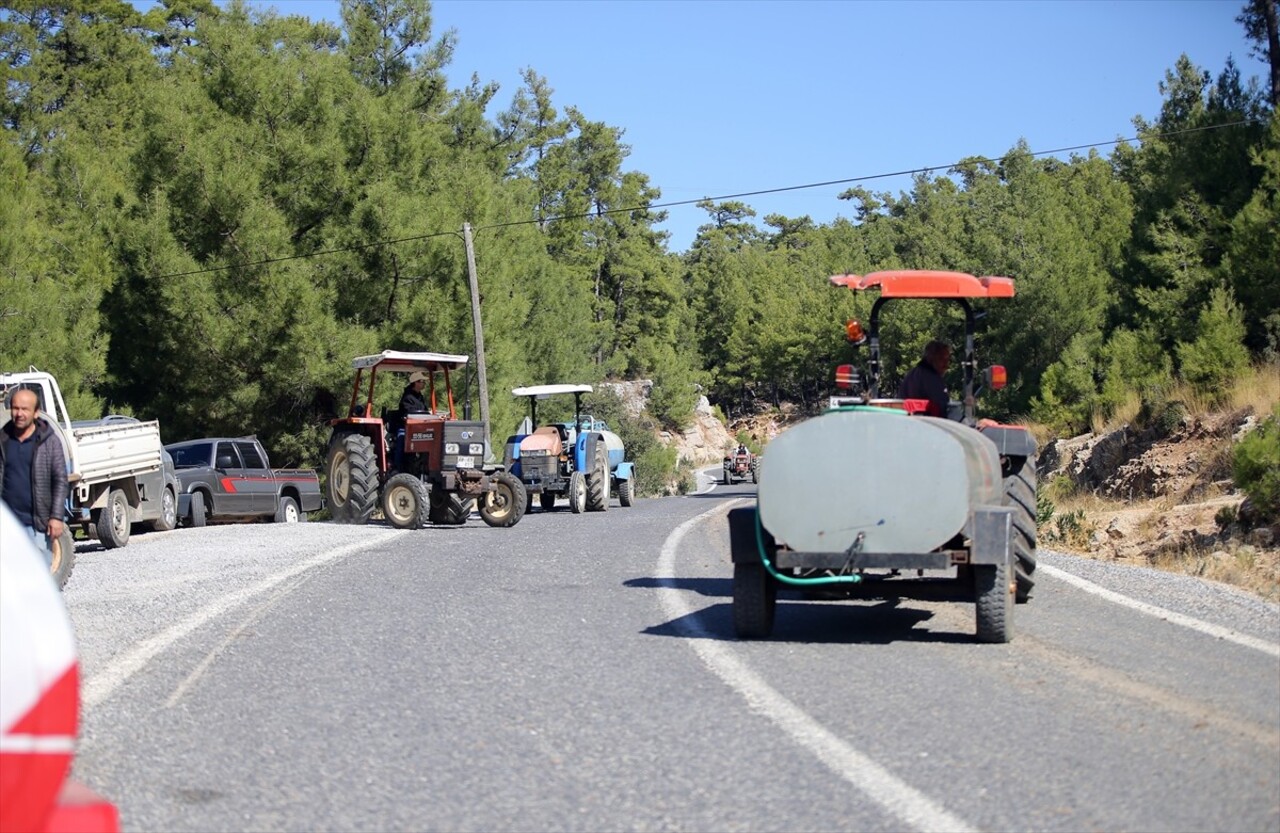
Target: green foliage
(1044, 510)
(1217, 356)
(1073, 529)
(1068, 391)
(1256, 466)
(657, 472)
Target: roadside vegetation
(206, 212)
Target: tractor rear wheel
(577, 493)
(351, 478)
(547, 500)
(598, 483)
(505, 505)
(405, 502)
(62, 552)
(1020, 495)
(627, 489)
(995, 590)
(448, 510)
(755, 599)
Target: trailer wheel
(448, 510)
(405, 502)
(755, 599)
(197, 516)
(627, 489)
(547, 500)
(1020, 495)
(577, 493)
(168, 512)
(598, 483)
(505, 505)
(755, 476)
(995, 590)
(113, 520)
(62, 551)
(288, 512)
(351, 478)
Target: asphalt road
(578, 672)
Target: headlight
(450, 448)
(475, 448)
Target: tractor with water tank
(422, 467)
(874, 499)
(580, 460)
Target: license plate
(466, 462)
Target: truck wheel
(505, 505)
(577, 493)
(1020, 494)
(448, 510)
(288, 512)
(113, 520)
(755, 478)
(351, 478)
(62, 556)
(995, 590)
(547, 500)
(405, 502)
(598, 483)
(627, 489)
(198, 515)
(168, 512)
(755, 598)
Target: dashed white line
(910, 806)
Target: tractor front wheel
(577, 493)
(505, 505)
(351, 478)
(627, 489)
(62, 552)
(405, 501)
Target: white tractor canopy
(544, 391)
(405, 362)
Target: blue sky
(722, 97)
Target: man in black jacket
(34, 476)
(925, 380)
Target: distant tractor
(864, 500)
(422, 466)
(740, 465)
(581, 460)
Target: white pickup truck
(115, 466)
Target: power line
(676, 203)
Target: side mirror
(224, 461)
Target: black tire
(728, 479)
(755, 477)
(406, 503)
(62, 552)
(113, 521)
(755, 599)
(448, 510)
(168, 519)
(598, 482)
(627, 489)
(287, 511)
(197, 517)
(1020, 494)
(994, 591)
(577, 493)
(505, 505)
(351, 478)
(547, 500)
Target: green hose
(797, 582)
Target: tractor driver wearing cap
(412, 401)
(925, 380)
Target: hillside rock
(704, 441)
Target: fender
(586, 452)
(624, 471)
(1010, 440)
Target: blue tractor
(580, 460)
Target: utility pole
(478, 329)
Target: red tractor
(866, 499)
(424, 467)
(740, 465)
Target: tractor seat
(546, 438)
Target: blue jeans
(43, 544)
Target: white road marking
(103, 684)
(912, 807)
(711, 481)
(1216, 631)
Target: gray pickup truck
(228, 479)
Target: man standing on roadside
(34, 479)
